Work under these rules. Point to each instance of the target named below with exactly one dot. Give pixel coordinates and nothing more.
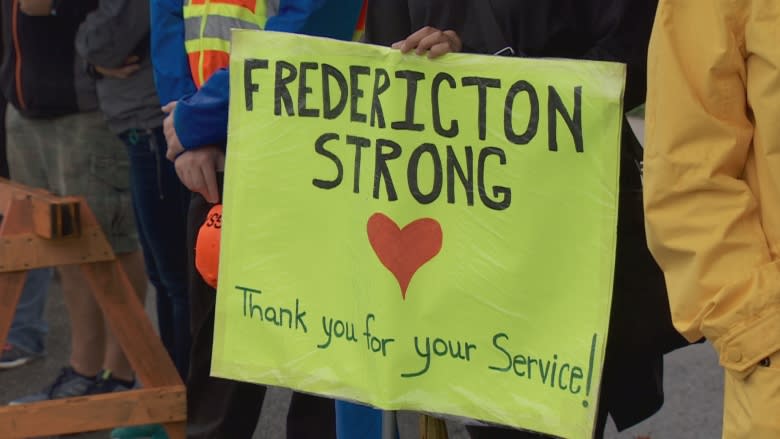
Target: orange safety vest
(207, 26)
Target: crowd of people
(126, 103)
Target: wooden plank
(17, 217)
(128, 322)
(52, 217)
(177, 430)
(76, 237)
(22, 249)
(10, 190)
(97, 412)
(25, 251)
(11, 285)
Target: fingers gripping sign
(432, 41)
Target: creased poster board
(417, 234)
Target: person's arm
(109, 34)
(171, 67)
(702, 219)
(201, 118)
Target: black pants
(225, 409)
(509, 433)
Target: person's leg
(28, 330)
(313, 417)
(26, 338)
(216, 408)
(161, 203)
(87, 342)
(34, 153)
(501, 433)
(115, 360)
(357, 421)
(92, 347)
(508, 433)
(91, 161)
(27, 153)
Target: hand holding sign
(431, 40)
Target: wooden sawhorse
(42, 230)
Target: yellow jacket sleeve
(703, 206)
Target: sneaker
(14, 356)
(152, 431)
(106, 383)
(68, 384)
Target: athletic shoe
(106, 383)
(14, 356)
(67, 384)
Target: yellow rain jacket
(712, 190)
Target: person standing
(640, 329)
(58, 141)
(26, 339)
(114, 41)
(219, 407)
(712, 196)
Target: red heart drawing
(404, 251)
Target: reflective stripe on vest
(207, 25)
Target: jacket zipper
(18, 54)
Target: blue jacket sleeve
(201, 119)
(171, 66)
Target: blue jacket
(171, 66)
(201, 118)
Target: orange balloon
(207, 246)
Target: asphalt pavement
(692, 381)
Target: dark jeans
(160, 202)
(224, 409)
